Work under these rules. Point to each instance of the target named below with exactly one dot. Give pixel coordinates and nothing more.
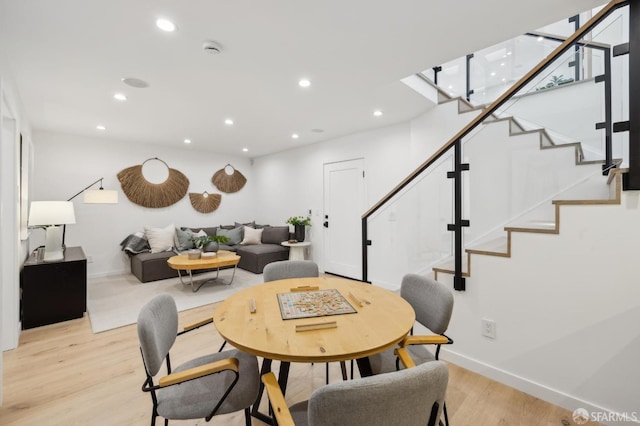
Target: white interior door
(344, 203)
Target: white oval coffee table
(223, 258)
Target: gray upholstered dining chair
(410, 397)
(290, 269)
(432, 302)
(218, 383)
(297, 269)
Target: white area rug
(116, 300)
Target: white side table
(296, 250)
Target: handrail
(595, 20)
(456, 141)
(560, 39)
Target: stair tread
(534, 224)
(448, 265)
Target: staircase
(501, 246)
(551, 264)
(598, 190)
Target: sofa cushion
(184, 239)
(262, 249)
(249, 224)
(251, 236)
(253, 258)
(208, 231)
(234, 235)
(144, 257)
(160, 239)
(275, 234)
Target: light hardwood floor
(63, 374)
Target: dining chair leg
(444, 411)
(326, 377)
(247, 416)
(222, 347)
(343, 368)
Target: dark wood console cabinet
(53, 291)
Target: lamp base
(53, 251)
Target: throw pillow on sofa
(184, 239)
(160, 239)
(249, 224)
(234, 235)
(275, 234)
(252, 236)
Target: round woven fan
(154, 195)
(228, 179)
(205, 202)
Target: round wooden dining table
(252, 320)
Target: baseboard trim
(108, 273)
(537, 390)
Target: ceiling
(68, 57)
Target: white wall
(291, 183)
(65, 164)
(567, 309)
(12, 249)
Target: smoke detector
(212, 47)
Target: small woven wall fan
(205, 202)
(228, 179)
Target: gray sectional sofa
(147, 266)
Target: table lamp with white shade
(50, 215)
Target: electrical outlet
(489, 328)
(89, 259)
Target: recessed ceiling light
(187, 141)
(120, 97)
(245, 149)
(502, 64)
(540, 38)
(165, 25)
(101, 127)
(508, 53)
(295, 136)
(492, 74)
(135, 82)
(304, 83)
(377, 113)
(228, 122)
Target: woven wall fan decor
(228, 179)
(205, 202)
(153, 195)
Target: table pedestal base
(283, 376)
